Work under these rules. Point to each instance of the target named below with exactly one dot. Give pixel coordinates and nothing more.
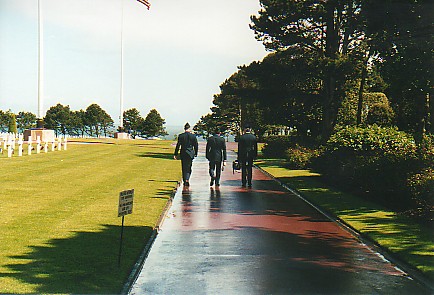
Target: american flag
(146, 3)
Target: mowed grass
(59, 226)
(408, 240)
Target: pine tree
(154, 124)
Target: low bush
(381, 114)
(300, 157)
(371, 140)
(421, 186)
(426, 150)
(372, 159)
(275, 146)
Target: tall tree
(133, 122)
(236, 104)
(4, 121)
(26, 120)
(96, 119)
(76, 124)
(401, 32)
(154, 124)
(57, 118)
(106, 123)
(288, 91)
(327, 29)
(209, 123)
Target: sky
(175, 55)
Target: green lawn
(59, 225)
(408, 240)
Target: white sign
(125, 202)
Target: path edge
(134, 274)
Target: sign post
(125, 207)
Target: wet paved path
(262, 240)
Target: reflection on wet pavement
(263, 240)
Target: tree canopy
(153, 124)
(327, 58)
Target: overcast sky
(175, 55)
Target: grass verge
(408, 240)
(59, 225)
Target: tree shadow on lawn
(86, 263)
(407, 240)
(156, 155)
(164, 194)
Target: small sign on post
(125, 202)
(125, 207)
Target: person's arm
(196, 145)
(178, 144)
(240, 148)
(224, 151)
(256, 148)
(208, 146)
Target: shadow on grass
(150, 146)
(156, 155)
(86, 263)
(162, 180)
(164, 194)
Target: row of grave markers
(10, 141)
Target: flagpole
(121, 117)
(40, 123)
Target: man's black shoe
(243, 185)
(211, 183)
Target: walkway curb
(404, 266)
(139, 264)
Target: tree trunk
(430, 127)
(242, 116)
(361, 90)
(328, 108)
(329, 98)
(422, 113)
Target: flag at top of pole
(146, 3)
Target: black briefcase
(235, 166)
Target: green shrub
(371, 140)
(426, 150)
(381, 114)
(375, 159)
(275, 146)
(421, 186)
(300, 157)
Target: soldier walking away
(189, 147)
(247, 152)
(216, 155)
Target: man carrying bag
(247, 152)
